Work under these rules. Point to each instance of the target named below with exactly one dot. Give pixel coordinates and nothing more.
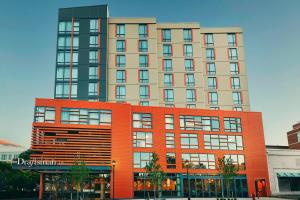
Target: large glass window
(232, 53)
(66, 27)
(237, 160)
(63, 74)
(94, 41)
(189, 80)
(120, 76)
(213, 98)
(190, 95)
(188, 122)
(171, 160)
(234, 68)
(93, 89)
(212, 82)
(120, 61)
(64, 42)
(144, 76)
(63, 58)
(93, 57)
(62, 90)
(142, 139)
(232, 124)
(237, 98)
(187, 35)
(188, 50)
(168, 80)
(167, 50)
(143, 30)
(298, 136)
(166, 35)
(170, 140)
(235, 83)
(141, 159)
(143, 46)
(231, 39)
(209, 39)
(189, 65)
(93, 73)
(144, 92)
(94, 25)
(142, 120)
(121, 46)
(210, 54)
(143, 61)
(211, 68)
(169, 95)
(223, 142)
(199, 161)
(44, 114)
(120, 30)
(167, 65)
(169, 122)
(120, 92)
(189, 141)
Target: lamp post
(187, 165)
(113, 163)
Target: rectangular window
(189, 80)
(167, 64)
(168, 80)
(141, 159)
(169, 122)
(93, 73)
(231, 39)
(142, 139)
(143, 46)
(120, 92)
(44, 114)
(213, 98)
(144, 76)
(209, 39)
(64, 42)
(63, 74)
(120, 61)
(63, 58)
(144, 92)
(237, 98)
(210, 54)
(200, 161)
(142, 120)
(235, 83)
(85, 116)
(212, 82)
(232, 53)
(167, 50)
(198, 123)
(62, 90)
(189, 141)
(191, 105)
(240, 109)
(93, 89)
(170, 140)
(298, 137)
(188, 50)
(234, 68)
(143, 61)
(94, 26)
(120, 76)
(187, 35)
(144, 103)
(171, 160)
(237, 160)
(190, 95)
(169, 95)
(232, 124)
(211, 68)
(120, 46)
(143, 30)
(189, 65)
(65, 27)
(93, 41)
(93, 57)
(223, 142)
(120, 30)
(166, 35)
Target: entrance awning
(288, 174)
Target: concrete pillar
(41, 190)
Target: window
(62, 90)
(209, 39)
(144, 103)
(141, 159)
(189, 141)
(190, 95)
(120, 61)
(170, 140)
(167, 64)
(143, 30)
(121, 76)
(93, 89)
(142, 139)
(235, 83)
(210, 54)
(233, 54)
(171, 160)
(76, 27)
(237, 97)
(64, 42)
(63, 74)
(121, 47)
(169, 95)
(63, 58)
(231, 39)
(234, 68)
(144, 76)
(191, 105)
(85, 116)
(213, 98)
(189, 65)
(212, 82)
(237, 160)
(198, 123)
(188, 50)
(166, 35)
(143, 61)
(93, 73)
(93, 57)
(214, 108)
(142, 120)
(187, 35)
(168, 80)
(298, 137)
(66, 27)
(211, 68)
(238, 109)
(232, 124)
(223, 142)
(44, 114)
(120, 92)
(93, 41)
(143, 46)
(120, 30)
(144, 91)
(169, 122)
(199, 161)
(94, 25)
(167, 50)
(189, 80)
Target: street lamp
(187, 165)
(113, 163)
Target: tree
(156, 174)
(25, 154)
(228, 170)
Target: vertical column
(41, 191)
(99, 59)
(71, 59)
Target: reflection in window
(232, 124)
(171, 160)
(142, 120)
(189, 141)
(44, 114)
(237, 160)
(170, 140)
(169, 122)
(188, 122)
(142, 139)
(223, 142)
(141, 159)
(199, 161)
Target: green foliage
(25, 155)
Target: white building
(9, 151)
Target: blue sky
(271, 34)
